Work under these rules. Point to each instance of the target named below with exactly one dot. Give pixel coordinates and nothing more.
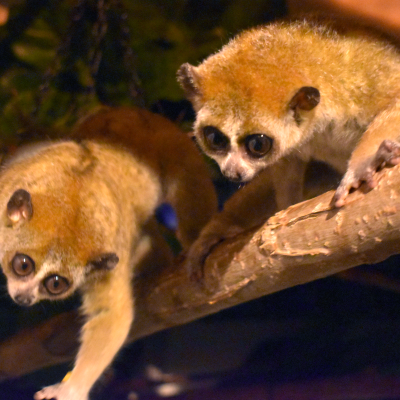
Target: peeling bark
(308, 241)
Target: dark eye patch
(258, 145)
(214, 139)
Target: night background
(336, 338)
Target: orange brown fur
(280, 95)
(247, 88)
(91, 198)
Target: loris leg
(288, 180)
(108, 306)
(275, 188)
(377, 148)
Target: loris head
(251, 108)
(49, 246)
(39, 259)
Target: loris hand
(357, 173)
(197, 254)
(60, 391)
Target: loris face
(31, 278)
(40, 260)
(240, 153)
(246, 126)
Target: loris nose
(233, 175)
(236, 177)
(234, 168)
(24, 300)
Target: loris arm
(377, 148)
(108, 306)
(288, 181)
(246, 209)
(275, 188)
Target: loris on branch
(280, 95)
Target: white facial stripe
(48, 268)
(232, 127)
(232, 161)
(234, 166)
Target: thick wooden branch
(306, 242)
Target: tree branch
(308, 241)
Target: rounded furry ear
(19, 207)
(189, 79)
(306, 98)
(106, 261)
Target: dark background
(336, 338)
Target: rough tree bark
(306, 242)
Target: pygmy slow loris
(72, 219)
(279, 95)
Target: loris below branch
(72, 219)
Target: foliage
(67, 57)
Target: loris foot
(60, 391)
(387, 154)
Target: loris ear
(190, 81)
(306, 98)
(106, 261)
(19, 207)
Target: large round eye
(258, 145)
(215, 139)
(22, 265)
(56, 284)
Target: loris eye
(22, 265)
(258, 145)
(215, 139)
(56, 284)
